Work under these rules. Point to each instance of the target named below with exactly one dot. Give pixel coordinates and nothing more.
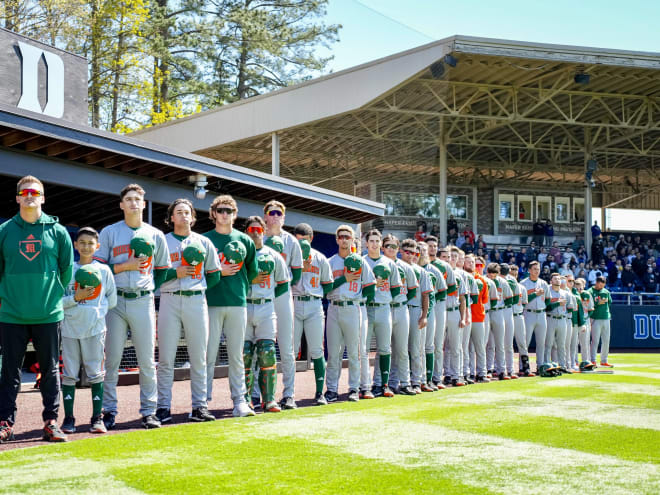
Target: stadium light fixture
(450, 60)
(581, 78)
(592, 166)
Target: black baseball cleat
(52, 433)
(331, 396)
(69, 424)
(407, 390)
(377, 390)
(201, 414)
(109, 420)
(150, 421)
(457, 383)
(320, 399)
(163, 415)
(469, 381)
(288, 403)
(353, 395)
(482, 379)
(97, 425)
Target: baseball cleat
(367, 394)
(331, 396)
(513, 376)
(387, 392)
(482, 379)
(287, 403)
(377, 390)
(97, 425)
(606, 364)
(69, 424)
(320, 399)
(201, 414)
(163, 415)
(109, 420)
(457, 383)
(150, 421)
(433, 386)
(407, 390)
(241, 410)
(469, 380)
(6, 432)
(425, 388)
(503, 376)
(447, 381)
(52, 433)
(272, 407)
(353, 395)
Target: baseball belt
(534, 310)
(133, 295)
(344, 303)
(517, 314)
(363, 304)
(376, 305)
(306, 298)
(259, 301)
(496, 309)
(397, 305)
(452, 309)
(186, 293)
(556, 317)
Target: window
(578, 210)
(457, 206)
(506, 207)
(562, 207)
(543, 211)
(525, 210)
(403, 204)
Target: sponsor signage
(42, 79)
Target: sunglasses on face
(258, 230)
(408, 252)
(391, 246)
(274, 213)
(344, 237)
(223, 209)
(35, 193)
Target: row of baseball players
(432, 312)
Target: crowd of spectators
(629, 263)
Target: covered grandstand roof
(509, 112)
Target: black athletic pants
(46, 342)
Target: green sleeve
(213, 279)
(441, 295)
(451, 288)
(251, 261)
(547, 301)
(531, 297)
(339, 281)
(296, 273)
(369, 292)
(159, 276)
(550, 306)
(65, 261)
(508, 302)
(281, 289)
(493, 303)
(170, 274)
(327, 288)
(411, 294)
(395, 291)
(474, 298)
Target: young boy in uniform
(83, 329)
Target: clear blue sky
(377, 28)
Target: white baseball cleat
(241, 410)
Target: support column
(275, 161)
(149, 213)
(442, 162)
(587, 194)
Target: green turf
(481, 439)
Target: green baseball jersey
(602, 301)
(232, 290)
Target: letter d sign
(30, 81)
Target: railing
(636, 298)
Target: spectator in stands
(542, 256)
(452, 228)
(481, 253)
(582, 274)
(593, 274)
(551, 263)
(480, 244)
(555, 251)
(508, 254)
(609, 248)
(532, 252)
(546, 274)
(637, 242)
(612, 272)
(578, 268)
(569, 255)
(628, 279)
(565, 270)
(549, 232)
(420, 235)
(638, 265)
(577, 243)
(581, 255)
(649, 280)
(495, 257)
(597, 247)
(621, 242)
(538, 231)
(595, 230)
(523, 271)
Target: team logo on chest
(30, 247)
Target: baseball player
(83, 328)
(418, 307)
(477, 329)
(571, 308)
(442, 350)
(519, 303)
(507, 314)
(272, 281)
(138, 256)
(585, 331)
(493, 297)
(227, 300)
(344, 319)
(556, 314)
(400, 369)
(496, 340)
(364, 347)
(456, 321)
(274, 214)
(470, 298)
(315, 283)
(440, 309)
(600, 321)
(379, 315)
(535, 321)
(577, 321)
(439, 285)
(195, 268)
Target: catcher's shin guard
(267, 369)
(248, 352)
(525, 364)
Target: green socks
(430, 361)
(97, 398)
(385, 360)
(319, 373)
(68, 394)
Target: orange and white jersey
(197, 281)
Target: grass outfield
(571, 434)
